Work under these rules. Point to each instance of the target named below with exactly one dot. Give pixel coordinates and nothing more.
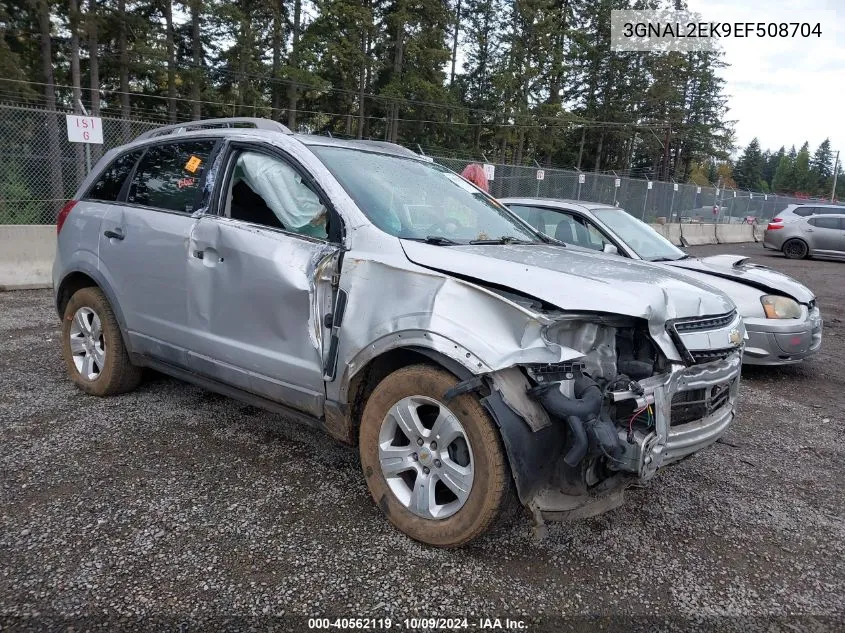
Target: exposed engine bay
(608, 412)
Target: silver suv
(361, 289)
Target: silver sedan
(781, 317)
(819, 235)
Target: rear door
(260, 280)
(144, 244)
(825, 234)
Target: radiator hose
(582, 416)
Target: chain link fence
(40, 169)
(651, 201)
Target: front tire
(437, 470)
(92, 346)
(795, 249)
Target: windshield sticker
(193, 164)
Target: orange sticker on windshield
(193, 164)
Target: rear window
(108, 185)
(826, 223)
(169, 175)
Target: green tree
(749, 168)
(821, 169)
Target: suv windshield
(413, 199)
(639, 236)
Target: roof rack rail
(230, 122)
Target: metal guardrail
(40, 169)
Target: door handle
(208, 256)
(114, 235)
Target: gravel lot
(176, 504)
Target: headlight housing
(778, 307)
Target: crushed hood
(577, 281)
(742, 270)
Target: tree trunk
(93, 57)
(57, 188)
(277, 43)
(455, 42)
(398, 54)
(171, 62)
(581, 147)
(94, 69)
(76, 82)
(364, 72)
(244, 54)
(123, 61)
(597, 166)
(293, 89)
(196, 50)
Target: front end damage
(578, 433)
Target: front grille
(710, 355)
(695, 404)
(696, 324)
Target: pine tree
(749, 167)
(821, 169)
(803, 178)
(784, 180)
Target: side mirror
(610, 249)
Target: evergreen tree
(749, 168)
(803, 178)
(821, 169)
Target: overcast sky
(784, 91)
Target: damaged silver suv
(359, 288)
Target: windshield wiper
(503, 240)
(437, 240)
(668, 259)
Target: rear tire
(795, 249)
(450, 515)
(92, 346)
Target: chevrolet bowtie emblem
(735, 337)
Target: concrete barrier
(734, 233)
(26, 255)
(697, 234)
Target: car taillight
(60, 219)
(776, 220)
(772, 227)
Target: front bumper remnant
(706, 391)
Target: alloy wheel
(425, 457)
(87, 344)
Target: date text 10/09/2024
(418, 624)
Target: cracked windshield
(422, 201)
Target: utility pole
(835, 174)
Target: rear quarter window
(826, 222)
(169, 175)
(107, 187)
(804, 211)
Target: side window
(825, 222)
(108, 185)
(595, 236)
(266, 190)
(829, 210)
(169, 175)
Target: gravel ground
(176, 508)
